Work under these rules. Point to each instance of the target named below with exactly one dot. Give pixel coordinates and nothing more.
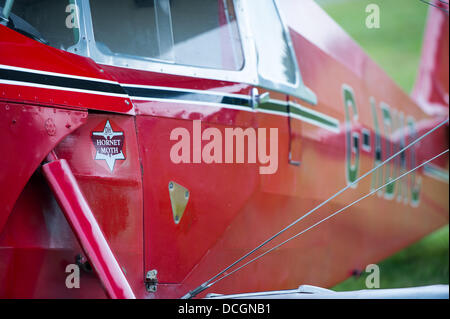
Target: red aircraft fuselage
(112, 125)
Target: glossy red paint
(38, 57)
(116, 198)
(29, 133)
(186, 111)
(37, 243)
(431, 89)
(365, 234)
(232, 208)
(84, 225)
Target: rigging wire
(325, 219)
(205, 285)
(436, 6)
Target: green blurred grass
(396, 47)
(423, 263)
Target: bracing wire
(325, 219)
(435, 6)
(205, 285)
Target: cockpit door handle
(257, 99)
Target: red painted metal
(212, 114)
(37, 242)
(83, 223)
(431, 89)
(29, 133)
(40, 57)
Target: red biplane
(116, 119)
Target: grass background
(396, 47)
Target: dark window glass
(201, 33)
(53, 20)
(275, 61)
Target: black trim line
(186, 96)
(94, 86)
(275, 107)
(60, 81)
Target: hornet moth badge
(109, 145)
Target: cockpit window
(201, 33)
(206, 34)
(48, 21)
(125, 27)
(275, 59)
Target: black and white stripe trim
(231, 101)
(57, 81)
(190, 96)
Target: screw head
(152, 274)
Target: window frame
(247, 74)
(87, 47)
(297, 89)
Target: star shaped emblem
(109, 145)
